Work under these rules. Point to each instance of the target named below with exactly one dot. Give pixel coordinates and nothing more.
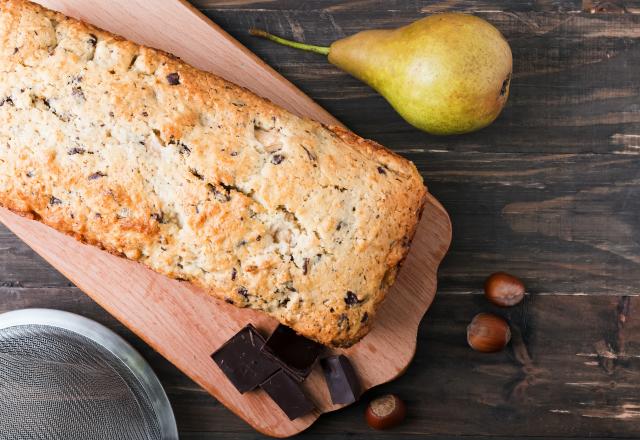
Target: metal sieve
(63, 376)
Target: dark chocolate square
(341, 378)
(288, 395)
(295, 354)
(241, 360)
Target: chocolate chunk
(277, 159)
(173, 79)
(288, 395)
(93, 40)
(295, 354)
(54, 201)
(341, 378)
(381, 170)
(241, 361)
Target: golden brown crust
(132, 150)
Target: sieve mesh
(58, 384)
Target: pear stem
(295, 44)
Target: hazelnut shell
(385, 412)
(503, 290)
(488, 333)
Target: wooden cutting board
(182, 322)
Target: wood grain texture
(182, 322)
(566, 149)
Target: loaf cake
(130, 149)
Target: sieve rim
(113, 343)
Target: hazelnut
(385, 412)
(488, 333)
(503, 290)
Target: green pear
(444, 74)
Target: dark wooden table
(550, 192)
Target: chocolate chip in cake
(173, 79)
(381, 170)
(242, 291)
(76, 150)
(351, 299)
(96, 175)
(78, 93)
(184, 149)
(196, 174)
(158, 216)
(93, 40)
(234, 273)
(54, 201)
(277, 159)
(220, 195)
(305, 266)
(310, 155)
